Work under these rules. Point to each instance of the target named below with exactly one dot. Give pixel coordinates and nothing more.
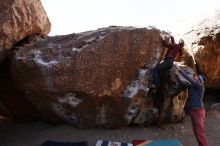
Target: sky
(176, 16)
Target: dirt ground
(36, 132)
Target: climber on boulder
(173, 50)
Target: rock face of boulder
(13, 106)
(204, 40)
(19, 19)
(97, 63)
(92, 79)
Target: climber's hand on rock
(163, 37)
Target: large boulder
(19, 19)
(92, 79)
(204, 40)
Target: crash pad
(111, 143)
(161, 142)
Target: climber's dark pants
(161, 68)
